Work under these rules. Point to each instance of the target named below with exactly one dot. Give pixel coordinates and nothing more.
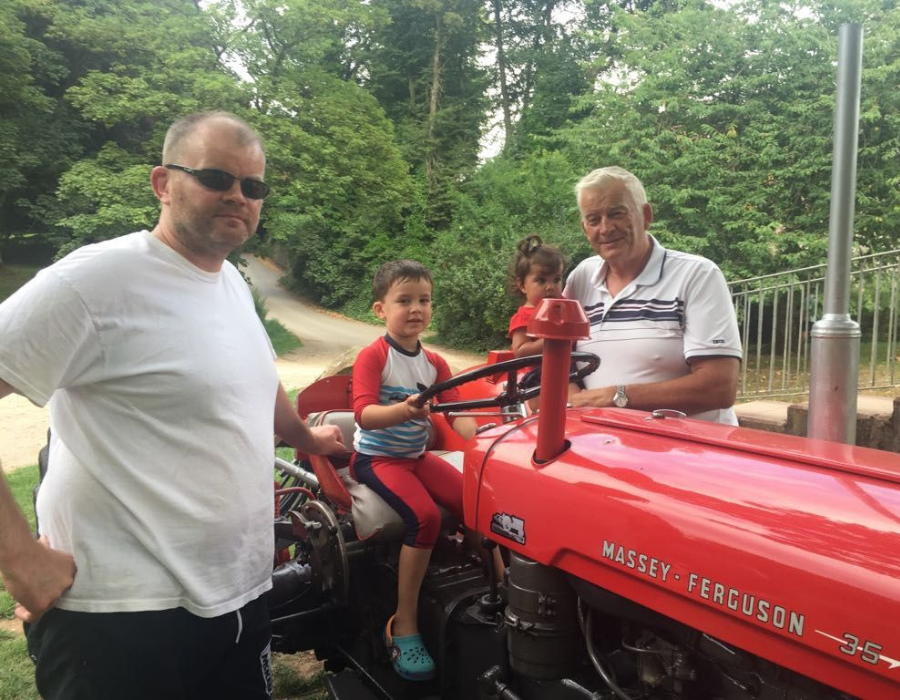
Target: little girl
(536, 273)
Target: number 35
(869, 652)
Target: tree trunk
(434, 100)
(542, 38)
(501, 70)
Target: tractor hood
(783, 546)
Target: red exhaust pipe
(559, 322)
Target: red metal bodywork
(782, 546)
(787, 548)
(558, 322)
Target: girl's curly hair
(532, 250)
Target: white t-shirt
(677, 308)
(162, 385)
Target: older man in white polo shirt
(662, 321)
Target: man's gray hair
(179, 132)
(601, 178)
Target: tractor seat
(372, 516)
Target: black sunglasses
(222, 181)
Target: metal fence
(776, 312)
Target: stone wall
(874, 427)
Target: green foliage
(372, 114)
(558, 84)
(729, 126)
(544, 73)
(39, 134)
(423, 69)
(96, 85)
(340, 187)
(103, 197)
(14, 276)
(505, 201)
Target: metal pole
(835, 337)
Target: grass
(21, 482)
(282, 339)
(297, 681)
(14, 276)
(796, 386)
(16, 669)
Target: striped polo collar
(650, 275)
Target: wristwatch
(620, 400)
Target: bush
(505, 201)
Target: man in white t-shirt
(662, 321)
(163, 403)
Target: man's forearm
(14, 532)
(294, 431)
(711, 385)
(289, 426)
(683, 394)
(15, 536)
(35, 575)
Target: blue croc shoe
(409, 656)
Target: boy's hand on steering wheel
(413, 410)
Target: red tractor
(649, 556)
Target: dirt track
(326, 338)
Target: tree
(340, 188)
(340, 183)
(101, 198)
(106, 79)
(39, 135)
(877, 220)
(537, 75)
(506, 200)
(424, 71)
(725, 121)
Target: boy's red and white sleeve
(367, 372)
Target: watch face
(620, 399)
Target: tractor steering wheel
(514, 393)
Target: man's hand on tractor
(328, 440)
